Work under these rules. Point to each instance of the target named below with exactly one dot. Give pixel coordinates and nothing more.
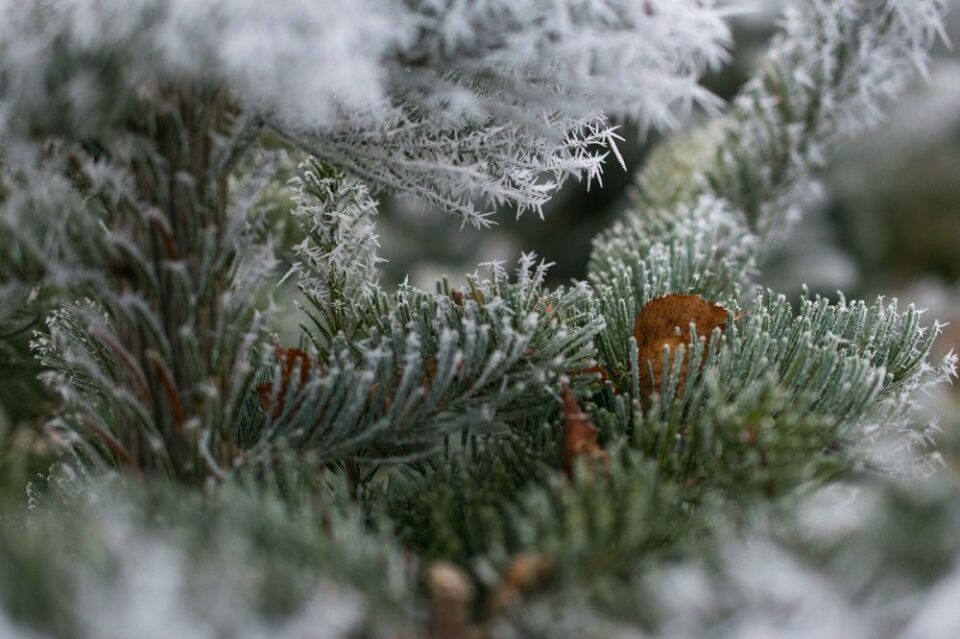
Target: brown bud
(579, 434)
(450, 594)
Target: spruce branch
(419, 366)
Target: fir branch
(420, 366)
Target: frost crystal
(448, 101)
(340, 255)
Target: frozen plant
(499, 458)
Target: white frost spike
(339, 258)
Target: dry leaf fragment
(525, 574)
(450, 594)
(665, 321)
(579, 434)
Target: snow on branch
(339, 258)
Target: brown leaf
(525, 574)
(665, 321)
(579, 434)
(450, 594)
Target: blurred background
(887, 223)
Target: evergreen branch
(706, 207)
(429, 365)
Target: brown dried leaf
(665, 321)
(579, 434)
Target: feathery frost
(339, 255)
(448, 101)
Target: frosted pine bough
(141, 141)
